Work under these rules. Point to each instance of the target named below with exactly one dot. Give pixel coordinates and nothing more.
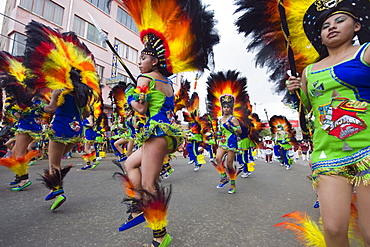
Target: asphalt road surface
(200, 215)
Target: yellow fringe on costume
(19, 166)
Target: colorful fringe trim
(342, 168)
(19, 166)
(166, 129)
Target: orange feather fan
(117, 96)
(270, 41)
(180, 32)
(227, 83)
(309, 233)
(90, 156)
(192, 107)
(155, 206)
(53, 55)
(13, 77)
(182, 95)
(278, 122)
(20, 165)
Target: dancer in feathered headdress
(62, 63)
(182, 95)
(124, 121)
(284, 137)
(194, 135)
(334, 86)
(227, 102)
(178, 36)
(26, 107)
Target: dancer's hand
(293, 83)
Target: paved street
(199, 215)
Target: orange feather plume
(20, 165)
(281, 122)
(309, 233)
(268, 38)
(13, 77)
(227, 83)
(220, 169)
(155, 207)
(182, 95)
(90, 156)
(127, 185)
(53, 55)
(232, 173)
(185, 29)
(117, 96)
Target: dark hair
(161, 69)
(81, 91)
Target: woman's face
(146, 63)
(226, 110)
(338, 28)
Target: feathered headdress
(179, 33)
(192, 108)
(192, 114)
(255, 127)
(182, 95)
(61, 61)
(13, 75)
(117, 96)
(301, 21)
(226, 88)
(281, 123)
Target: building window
(101, 4)
(126, 52)
(17, 44)
(124, 18)
(100, 70)
(88, 31)
(45, 8)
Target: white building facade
(73, 15)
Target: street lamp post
(267, 117)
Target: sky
(231, 54)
